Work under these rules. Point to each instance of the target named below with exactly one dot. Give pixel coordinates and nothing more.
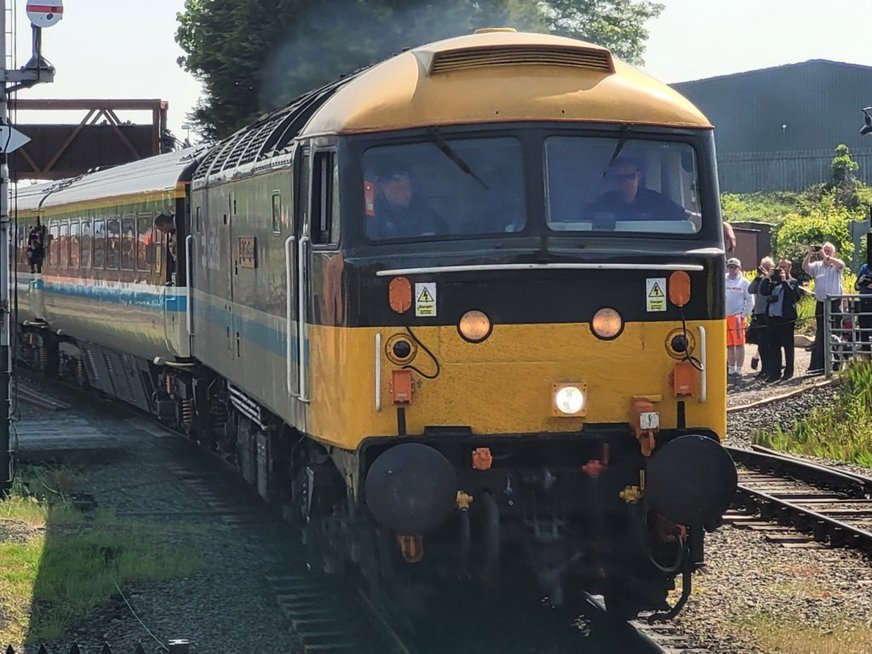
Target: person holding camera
(757, 332)
(782, 294)
(863, 286)
(821, 263)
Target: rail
(810, 511)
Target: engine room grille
(588, 58)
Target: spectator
(36, 247)
(820, 262)
(757, 332)
(863, 286)
(166, 224)
(738, 305)
(782, 294)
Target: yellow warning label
(655, 295)
(425, 299)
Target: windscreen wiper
(622, 141)
(452, 154)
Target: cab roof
(505, 77)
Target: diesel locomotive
(457, 313)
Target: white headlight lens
(474, 326)
(607, 323)
(569, 400)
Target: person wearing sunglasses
(627, 198)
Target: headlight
(569, 399)
(474, 326)
(607, 324)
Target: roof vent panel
(570, 57)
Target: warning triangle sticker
(425, 296)
(656, 291)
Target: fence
(795, 170)
(174, 647)
(847, 329)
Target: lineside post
(35, 71)
(5, 359)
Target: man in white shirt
(738, 305)
(827, 273)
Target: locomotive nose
(691, 480)
(411, 488)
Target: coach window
(53, 247)
(144, 242)
(21, 252)
(75, 245)
(197, 220)
(113, 243)
(325, 199)
(86, 244)
(99, 244)
(128, 243)
(64, 246)
(276, 212)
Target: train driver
(627, 198)
(398, 211)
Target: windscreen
(621, 185)
(443, 188)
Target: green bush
(759, 207)
(826, 222)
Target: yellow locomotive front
(519, 342)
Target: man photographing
(827, 274)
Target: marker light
(569, 399)
(607, 324)
(474, 326)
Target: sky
(122, 49)
(695, 39)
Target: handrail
(378, 370)
(703, 358)
(289, 301)
(189, 278)
(301, 314)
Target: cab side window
(325, 199)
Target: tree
(254, 55)
(843, 187)
(616, 24)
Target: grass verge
(57, 565)
(839, 431)
(775, 634)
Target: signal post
(42, 13)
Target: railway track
(329, 615)
(827, 506)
